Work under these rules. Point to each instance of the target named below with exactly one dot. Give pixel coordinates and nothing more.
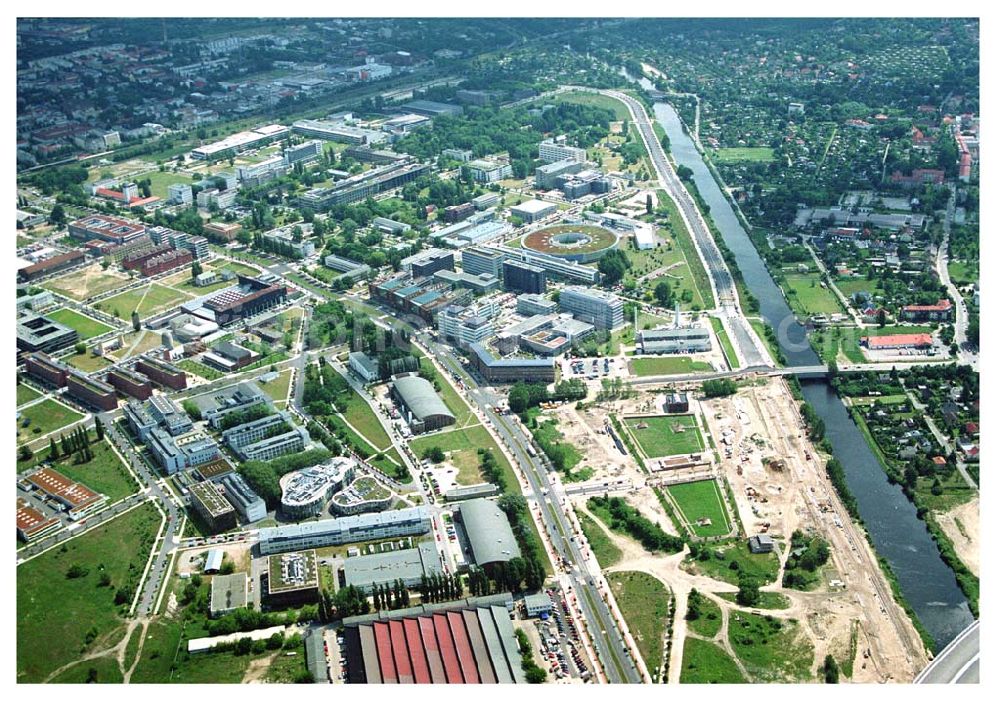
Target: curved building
(363, 495)
(488, 532)
(582, 243)
(304, 493)
(422, 407)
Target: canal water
(898, 535)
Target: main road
(750, 347)
(605, 633)
(956, 663)
(966, 355)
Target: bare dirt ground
(777, 489)
(961, 524)
(258, 668)
(87, 282)
(190, 561)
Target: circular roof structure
(575, 242)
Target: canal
(897, 534)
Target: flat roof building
(292, 579)
(229, 593)
(533, 210)
(248, 504)
(37, 333)
(511, 370)
(602, 309)
(674, 341)
(354, 528)
(32, 524)
(76, 499)
(304, 493)
(385, 568)
(479, 260)
(210, 505)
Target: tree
(749, 593)
(664, 294)
(136, 322)
(24, 453)
(99, 428)
(435, 454)
(831, 674)
(196, 269)
(684, 173)
(58, 215)
(80, 348)
(649, 203)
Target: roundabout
(582, 243)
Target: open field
(963, 272)
(100, 670)
(105, 473)
(621, 112)
(459, 408)
(645, 605)
(758, 154)
(605, 551)
(702, 500)
(664, 365)
(43, 417)
(86, 282)
(807, 295)
(682, 238)
(86, 361)
(159, 181)
(460, 447)
(771, 649)
(87, 327)
(709, 620)
(762, 567)
(59, 618)
(277, 390)
(163, 638)
(199, 369)
(706, 662)
(666, 435)
(147, 300)
(26, 393)
(363, 419)
(769, 600)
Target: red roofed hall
(77, 499)
(899, 341)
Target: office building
(533, 210)
(255, 174)
(426, 262)
(180, 194)
(303, 153)
(511, 370)
(476, 490)
(162, 372)
(535, 304)
(676, 403)
(105, 228)
(478, 260)
(674, 341)
(460, 155)
(239, 142)
(209, 504)
(292, 579)
(305, 493)
(222, 231)
(74, 498)
(421, 406)
(366, 527)
(130, 383)
(266, 438)
(486, 201)
(182, 452)
(483, 283)
(351, 269)
(487, 171)
(457, 213)
(251, 296)
(53, 264)
(547, 176)
(91, 392)
(36, 333)
(367, 155)
(363, 366)
(602, 309)
(238, 398)
(390, 226)
(386, 568)
(362, 186)
(430, 108)
(523, 278)
(248, 504)
(41, 366)
(556, 335)
(552, 150)
(463, 325)
(337, 132)
(32, 524)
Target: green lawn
(160, 181)
(86, 326)
(100, 670)
(449, 395)
(698, 500)
(682, 237)
(86, 361)
(147, 300)
(769, 600)
(758, 326)
(105, 473)
(807, 295)
(199, 369)
(771, 649)
(644, 602)
(26, 394)
(163, 638)
(725, 555)
(963, 272)
(724, 342)
(709, 620)
(44, 417)
(706, 662)
(460, 447)
(850, 285)
(760, 154)
(360, 414)
(666, 435)
(605, 551)
(665, 365)
(594, 100)
(59, 618)
(278, 388)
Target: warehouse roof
(488, 532)
(420, 397)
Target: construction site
(744, 467)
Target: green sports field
(702, 499)
(665, 365)
(762, 154)
(666, 435)
(86, 326)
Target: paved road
(956, 663)
(966, 354)
(607, 637)
(750, 348)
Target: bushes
(625, 518)
(718, 388)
